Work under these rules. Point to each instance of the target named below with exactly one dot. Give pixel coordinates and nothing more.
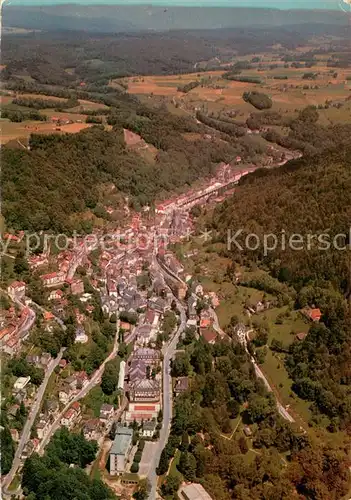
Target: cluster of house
(258, 307)
(225, 174)
(72, 385)
(15, 320)
(203, 321)
(95, 429)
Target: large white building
(120, 450)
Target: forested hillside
(115, 18)
(61, 175)
(311, 198)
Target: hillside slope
(305, 197)
(114, 18)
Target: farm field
(58, 121)
(216, 94)
(12, 130)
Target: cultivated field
(11, 130)
(288, 88)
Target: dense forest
(308, 197)
(70, 57)
(286, 463)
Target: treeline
(258, 99)
(308, 136)
(187, 87)
(257, 120)
(37, 103)
(224, 387)
(237, 78)
(20, 116)
(224, 126)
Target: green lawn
(15, 483)
(292, 324)
(277, 375)
(173, 469)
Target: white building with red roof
(17, 290)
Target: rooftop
(122, 441)
(194, 491)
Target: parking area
(146, 458)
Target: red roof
(12, 237)
(76, 406)
(146, 408)
(48, 276)
(4, 332)
(205, 322)
(12, 342)
(315, 314)
(149, 316)
(209, 335)
(17, 284)
(69, 413)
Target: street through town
(30, 420)
(168, 352)
(95, 380)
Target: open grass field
(11, 130)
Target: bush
(247, 79)
(187, 87)
(141, 445)
(258, 100)
(134, 468)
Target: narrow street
(95, 380)
(29, 423)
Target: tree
(143, 491)
(180, 365)
(170, 485)
(243, 445)
(189, 335)
(260, 407)
(7, 446)
(134, 467)
(109, 379)
(187, 465)
(71, 448)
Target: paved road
(168, 352)
(30, 420)
(95, 380)
(259, 374)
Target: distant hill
(122, 18)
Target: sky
(283, 4)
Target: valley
(146, 352)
